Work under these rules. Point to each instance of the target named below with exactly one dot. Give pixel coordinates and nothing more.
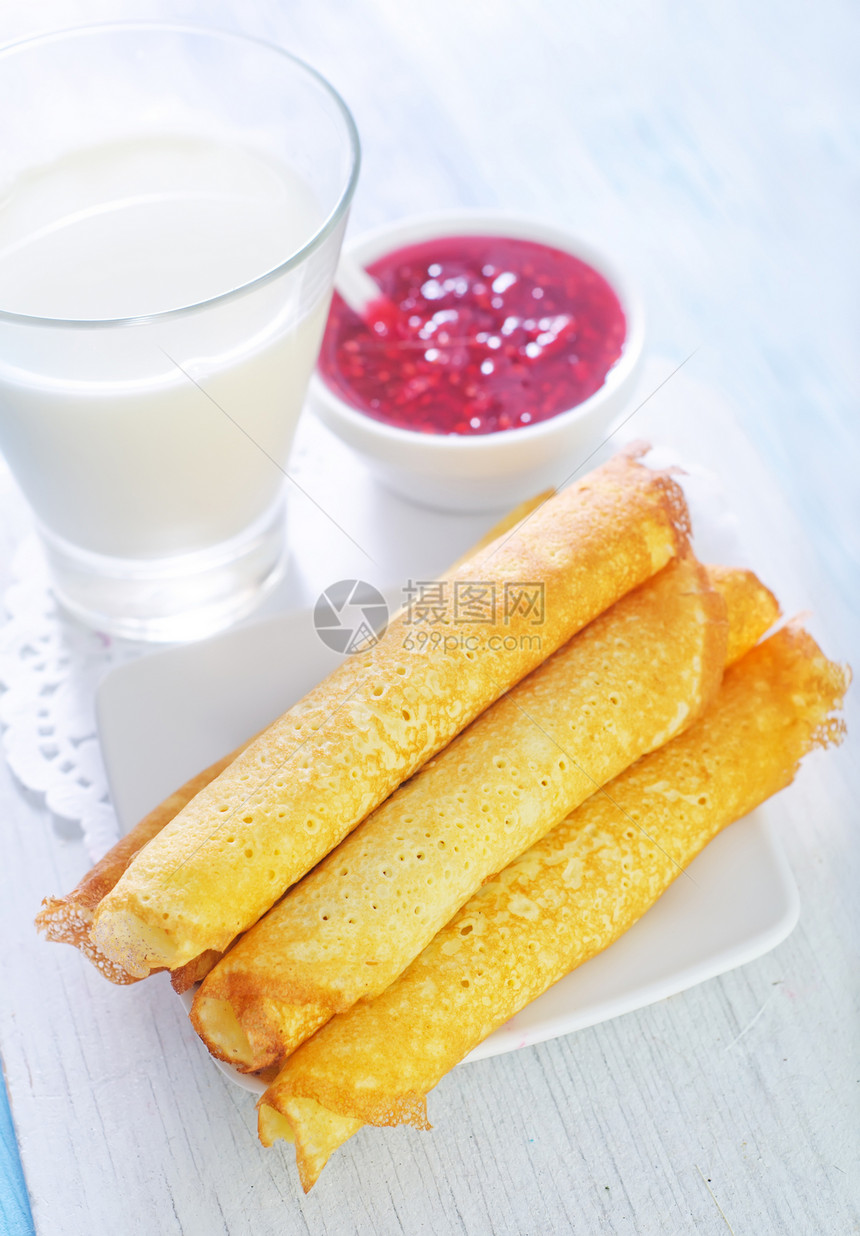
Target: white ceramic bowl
(496, 470)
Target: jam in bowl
(500, 355)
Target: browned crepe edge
(67, 920)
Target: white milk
(118, 451)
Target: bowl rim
(473, 221)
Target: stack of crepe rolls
(302, 786)
(625, 685)
(68, 919)
(377, 941)
(563, 901)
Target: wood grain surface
(715, 148)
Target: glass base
(170, 600)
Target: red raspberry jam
(478, 334)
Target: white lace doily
(50, 667)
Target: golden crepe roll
(68, 919)
(321, 768)
(560, 903)
(632, 679)
(752, 609)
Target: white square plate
(166, 716)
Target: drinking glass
(172, 206)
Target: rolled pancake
(752, 608)
(560, 903)
(632, 679)
(296, 791)
(68, 919)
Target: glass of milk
(172, 203)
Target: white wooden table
(712, 147)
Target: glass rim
(320, 235)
